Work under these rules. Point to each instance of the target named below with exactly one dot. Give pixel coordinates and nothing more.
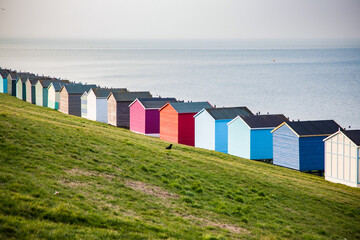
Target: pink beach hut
(145, 115)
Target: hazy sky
(144, 19)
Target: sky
(180, 19)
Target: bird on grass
(169, 147)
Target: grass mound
(64, 177)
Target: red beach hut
(177, 122)
(145, 116)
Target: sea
(302, 79)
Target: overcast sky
(179, 19)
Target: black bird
(169, 147)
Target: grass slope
(116, 184)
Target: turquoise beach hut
(299, 145)
(54, 93)
(211, 127)
(4, 75)
(21, 88)
(30, 90)
(41, 91)
(250, 136)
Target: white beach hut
(342, 157)
(97, 106)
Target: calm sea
(306, 80)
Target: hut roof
(5, 73)
(129, 96)
(312, 128)
(154, 103)
(45, 82)
(77, 88)
(104, 92)
(354, 135)
(33, 81)
(189, 107)
(228, 113)
(264, 121)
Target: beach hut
(70, 102)
(342, 157)
(4, 75)
(97, 105)
(54, 93)
(145, 116)
(11, 83)
(250, 136)
(42, 92)
(299, 145)
(84, 104)
(211, 127)
(30, 89)
(177, 123)
(118, 107)
(21, 87)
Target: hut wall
(19, 89)
(33, 94)
(23, 91)
(101, 110)
(45, 97)
(51, 97)
(221, 135)
(311, 153)
(152, 122)
(169, 121)
(3, 84)
(239, 139)
(342, 161)
(74, 104)
(261, 144)
(205, 131)
(187, 129)
(64, 101)
(84, 105)
(123, 114)
(11, 86)
(112, 109)
(286, 148)
(28, 91)
(137, 118)
(38, 94)
(91, 106)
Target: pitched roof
(228, 113)
(33, 81)
(104, 92)
(155, 103)
(4, 73)
(189, 107)
(354, 135)
(264, 121)
(310, 128)
(129, 96)
(77, 88)
(46, 82)
(58, 84)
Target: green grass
(116, 184)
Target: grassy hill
(112, 183)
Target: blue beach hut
(299, 145)
(250, 136)
(211, 127)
